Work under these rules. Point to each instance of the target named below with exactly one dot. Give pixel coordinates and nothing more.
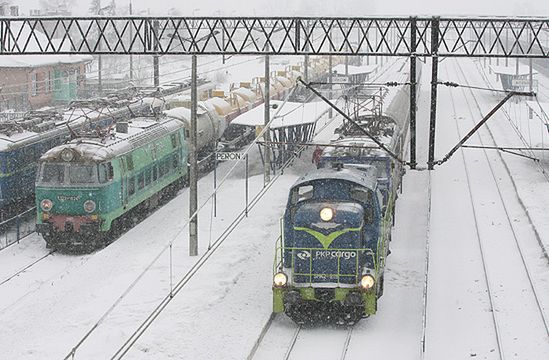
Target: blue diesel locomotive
(337, 225)
(331, 256)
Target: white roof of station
(512, 70)
(291, 114)
(354, 70)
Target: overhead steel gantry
(433, 37)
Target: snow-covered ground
(451, 212)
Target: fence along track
(20, 225)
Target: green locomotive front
(86, 188)
(331, 257)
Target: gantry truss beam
(392, 36)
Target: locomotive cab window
(361, 194)
(141, 181)
(53, 173)
(175, 141)
(106, 173)
(147, 177)
(175, 161)
(82, 174)
(131, 186)
(302, 193)
(129, 162)
(365, 197)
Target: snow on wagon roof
(291, 114)
(354, 70)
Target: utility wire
(169, 244)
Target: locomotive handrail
(359, 251)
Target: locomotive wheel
(50, 242)
(307, 314)
(351, 315)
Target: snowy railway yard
(467, 276)
(471, 236)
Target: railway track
(347, 341)
(508, 250)
(317, 343)
(25, 268)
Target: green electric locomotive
(86, 188)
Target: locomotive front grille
(69, 227)
(324, 295)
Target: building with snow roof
(33, 81)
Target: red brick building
(34, 81)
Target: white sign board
(222, 156)
(340, 79)
(524, 83)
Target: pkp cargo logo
(304, 255)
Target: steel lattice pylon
(479, 37)
(433, 37)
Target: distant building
(6, 9)
(33, 81)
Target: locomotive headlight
(89, 206)
(67, 155)
(367, 282)
(327, 214)
(46, 204)
(280, 279)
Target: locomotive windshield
(82, 174)
(302, 193)
(74, 174)
(53, 173)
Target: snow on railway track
(511, 315)
(283, 339)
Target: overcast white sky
(321, 7)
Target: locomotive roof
(366, 177)
(76, 118)
(140, 131)
(362, 143)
